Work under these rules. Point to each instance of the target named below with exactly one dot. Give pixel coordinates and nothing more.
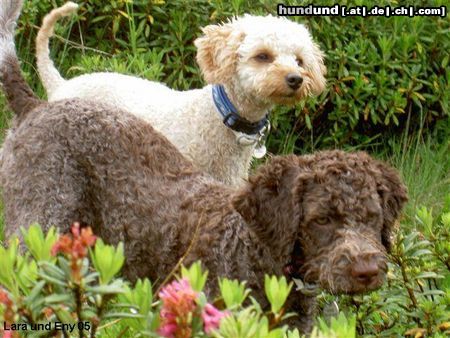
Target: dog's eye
(300, 62)
(323, 220)
(263, 57)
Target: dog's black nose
(294, 81)
(365, 272)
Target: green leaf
(233, 292)
(445, 219)
(52, 270)
(58, 298)
(196, 277)
(107, 260)
(277, 291)
(277, 333)
(63, 314)
(308, 122)
(35, 292)
(115, 315)
(39, 245)
(340, 326)
(116, 287)
(9, 258)
(421, 252)
(53, 280)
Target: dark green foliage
(384, 74)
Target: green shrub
(60, 279)
(384, 74)
(66, 279)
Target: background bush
(385, 75)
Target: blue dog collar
(230, 116)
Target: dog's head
(269, 58)
(330, 215)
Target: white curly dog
(250, 63)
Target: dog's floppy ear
(393, 195)
(245, 202)
(318, 71)
(267, 203)
(217, 52)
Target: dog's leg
(51, 193)
(305, 308)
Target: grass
(425, 168)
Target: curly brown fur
(327, 217)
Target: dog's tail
(20, 96)
(50, 77)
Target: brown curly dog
(326, 218)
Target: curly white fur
(227, 54)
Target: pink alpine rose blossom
(179, 301)
(212, 317)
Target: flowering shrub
(67, 285)
(54, 290)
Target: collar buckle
(305, 288)
(258, 139)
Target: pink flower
(211, 317)
(168, 330)
(179, 302)
(4, 298)
(8, 311)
